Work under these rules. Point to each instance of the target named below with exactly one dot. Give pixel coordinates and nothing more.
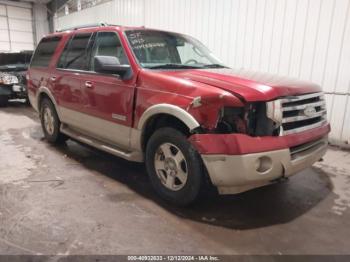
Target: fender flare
(46, 91)
(169, 109)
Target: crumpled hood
(248, 85)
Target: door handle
(88, 84)
(53, 78)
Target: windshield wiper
(174, 66)
(214, 66)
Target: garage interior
(76, 200)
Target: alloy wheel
(171, 166)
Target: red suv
(164, 99)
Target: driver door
(108, 99)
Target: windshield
(157, 49)
(14, 59)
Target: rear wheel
(4, 101)
(174, 167)
(50, 122)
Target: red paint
(239, 144)
(216, 87)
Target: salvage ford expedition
(164, 99)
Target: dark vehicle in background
(13, 68)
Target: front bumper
(14, 91)
(234, 172)
(5, 90)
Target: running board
(131, 156)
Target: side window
(62, 59)
(45, 51)
(75, 54)
(108, 44)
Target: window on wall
(44, 52)
(76, 53)
(108, 44)
(78, 5)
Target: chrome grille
(298, 113)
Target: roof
(96, 28)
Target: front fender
(173, 110)
(194, 112)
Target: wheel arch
(44, 92)
(165, 115)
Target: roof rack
(83, 26)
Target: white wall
(121, 12)
(308, 39)
(41, 22)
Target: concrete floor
(75, 200)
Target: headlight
(251, 120)
(8, 79)
(274, 111)
(231, 120)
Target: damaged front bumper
(237, 162)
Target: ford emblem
(310, 111)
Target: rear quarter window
(45, 51)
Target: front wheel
(174, 166)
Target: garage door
(16, 28)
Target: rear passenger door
(67, 78)
(39, 72)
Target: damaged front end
(255, 144)
(253, 119)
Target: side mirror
(111, 65)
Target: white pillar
(41, 23)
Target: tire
(50, 123)
(4, 101)
(179, 182)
